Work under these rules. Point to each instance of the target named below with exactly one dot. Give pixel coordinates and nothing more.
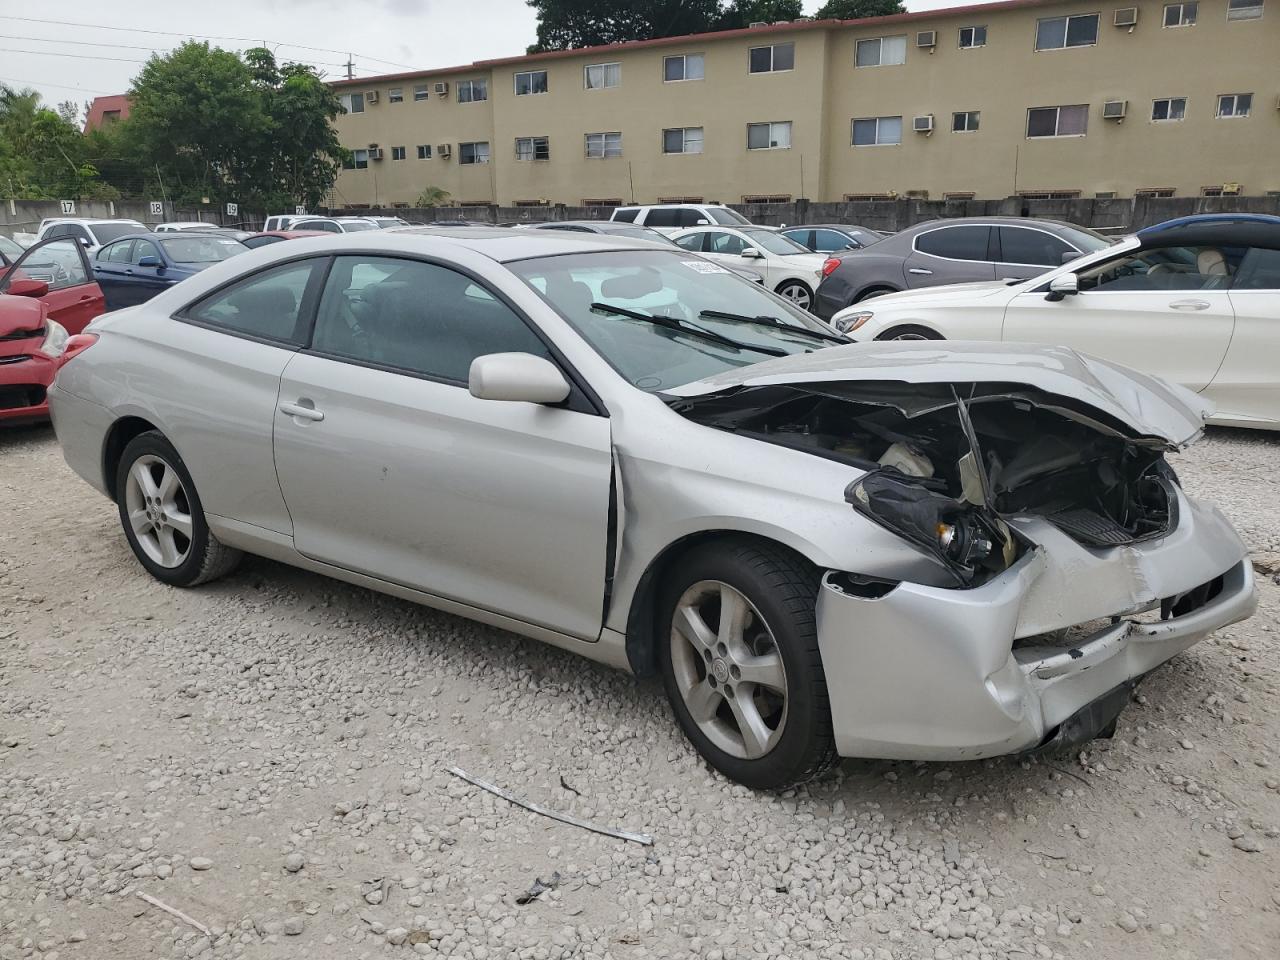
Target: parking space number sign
(233, 209)
(157, 208)
(68, 206)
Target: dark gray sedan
(963, 250)
(832, 237)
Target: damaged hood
(1148, 406)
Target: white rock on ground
(281, 719)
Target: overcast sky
(81, 62)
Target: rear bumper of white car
(1047, 651)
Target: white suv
(672, 217)
(92, 233)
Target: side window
(268, 304)
(1018, 245)
(828, 241)
(1259, 270)
(59, 263)
(418, 317)
(121, 252)
(58, 230)
(725, 243)
(626, 216)
(144, 248)
(956, 243)
(664, 217)
(693, 242)
(1165, 268)
(690, 218)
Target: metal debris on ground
(538, 888)
(510, 797)
(173, 912)
(568, 786)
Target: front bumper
(23, 386)
(927, 673)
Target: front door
(1026, 252)
(391, 468)
(1247, 385)
(1163, 311)
(74, 297)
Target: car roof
(90, 221)
(991, 222)
(842, 227)
(290, 234)
(497, 243)
(1215, 229)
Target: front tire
(162, 517)
(741, 665)
(910, 332)
(798, 293)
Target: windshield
(106, 232)
(201, 249)
(386, 222)
(9, 248)
(671, 285)
(355, 226)
(642, 233)
(775, 242)
(726, 217)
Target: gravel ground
(269, 755)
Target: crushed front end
(1069, 562)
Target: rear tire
(162, 517)
(748, 691)
(910, 332)
(797, 292)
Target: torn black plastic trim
(858, 585)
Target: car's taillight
(78, 344)
(829, 267)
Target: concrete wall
(24, 216)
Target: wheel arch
(118, 437)
(878, 286)
(899, 327)
(642, 615)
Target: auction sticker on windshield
(702, 266)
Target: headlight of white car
(852, 321)
(55, 340)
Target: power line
(86, 56)
(74, 56)
(170, 33)
(82, 43)
(60, 86)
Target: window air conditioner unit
(927, 39)
(922, 124)
(442, 88)
(1114, 109)
(444, 150)
(1126, 17)
(1231, 189)
(375, 153)
(371, 96)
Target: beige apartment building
(1041, 98)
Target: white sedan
(1194, 300)
(789, 269)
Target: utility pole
(351, 68)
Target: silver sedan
(825, 549)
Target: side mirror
(1062, 286)
(751, 253)
(516, 376)
(86, 242)
(28, 288)
(149, 261)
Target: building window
(1105, 195)
(602, 145)
(767, 198)
(352, 102)
(971, 37)
(1057, 33)
(1243, 10)
(685, 66)
(881, 52)
(1222, 190)
(395, 95)
(420, 91)
(679, 199)
(867, 197)
(530, 82)
(1234, 105)
(966, 121)
(769, 136)
(958, 196)
(424, 151)
(472, 91)
(531, 203)
(397, 153)
(1170, 108)
(533, 148)
(770, 59)
(877, 131)
(1180, 15)
(682, 140)
(359, 160)
(598, 76)
(1050, 194)
(606, 202)
(1150, 193)
(1070, 121)
(473, 152)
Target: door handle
(1190, 304)
(302, 412)
(920, 271)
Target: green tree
(857, 9)
(563, 24)
(742, 13)
(43, 154)
(433, 197)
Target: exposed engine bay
(947, 465)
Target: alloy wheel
(797, 294)
(159, 511)
(729, 670)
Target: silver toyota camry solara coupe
(912, 550)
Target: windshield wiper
(767, 321)
(684, 326)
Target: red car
(47, 298)
(268, 237)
